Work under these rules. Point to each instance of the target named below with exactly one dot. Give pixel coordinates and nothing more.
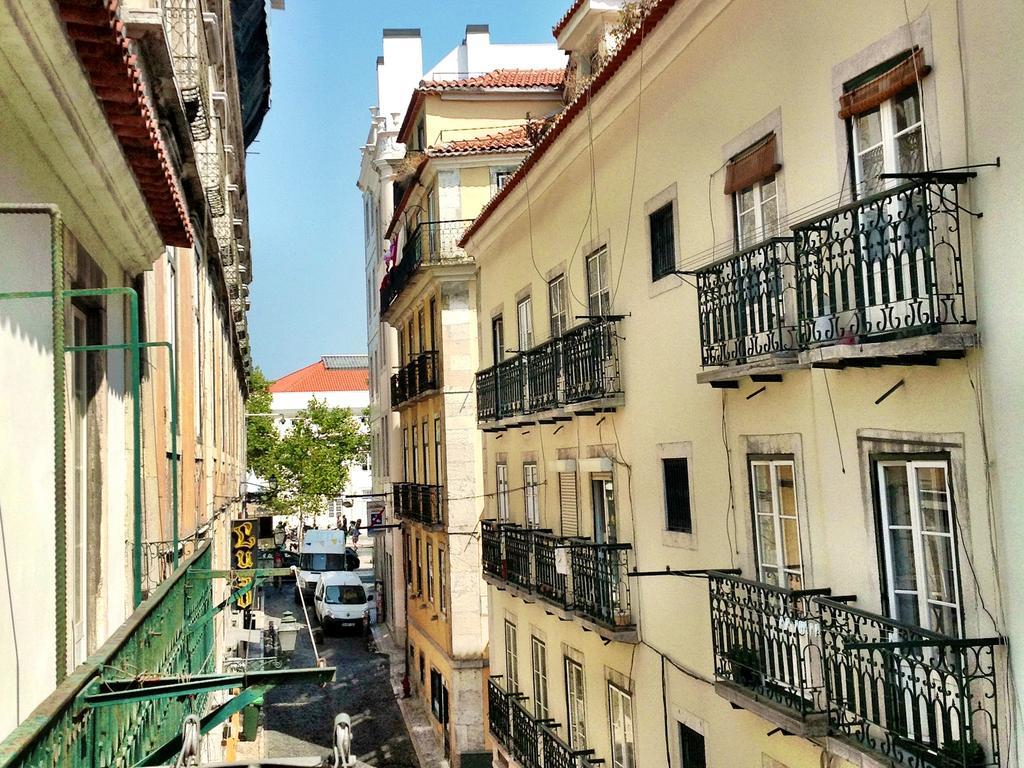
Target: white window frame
(919, 535)
(889, 139)
(511, 657)
(500, 177)
(531, 496)
(539, 667)
(558, 306)
(759, 200)
(599, 297)
(620, 727)
(501, 490)
(575, 703)
(785, 570)
(524, 320)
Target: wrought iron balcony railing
(416, 378)
(919, 698)
(886, 266)
(418, 502)
(578, 367)
(600, 583)
(764, 640)
(165, 636)
(183, 20)
(532, 742)
(432, 242)
(591, 580)
(742, 305)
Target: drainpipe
(59, 500)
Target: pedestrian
(278, 563)
(354, 532)
(344, 522)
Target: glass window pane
(944, 619)
(906, 609)
(790, 543)
(910, 147)
(868, 129)
(872, 163)
(905, 576)
(897, 494)
(907, 108)
(769, 216)
(933, 498)
(766, 540)
(938, 563)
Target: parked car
(340, 602)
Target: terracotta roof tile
(107, 59)
(564, 21)
(514, 140)
(318, 378)
(501, 78)
(629, 45)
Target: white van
(340, 601)
(322, 552)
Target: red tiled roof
(499, 78)
(564, 21)
(607, 72)
(514, 140)
(318, 378)
(106, 57)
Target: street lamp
(287, 633)
(279, 537)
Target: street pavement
(298, 718)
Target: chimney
(478, 43)
(399, 70)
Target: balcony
(418, 502)
(913, 697)
(187, 40)
(878, 281)
(416, 378)
(765, 657)
(531, 742)
(584, 580)
(815, 666)
(432, 243)
(575, 373)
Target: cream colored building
(461, 135)
(762, 363)
(122, 166)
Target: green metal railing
(164, 636)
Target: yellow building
(750, 296)
(464, 137)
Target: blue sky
(306, 217)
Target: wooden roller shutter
(567, 504)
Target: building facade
(752, 298)
(462, 135)
(124, 218)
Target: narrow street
(297, 719)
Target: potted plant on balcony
(962, 753)
(745, 666)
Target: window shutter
(902, 74)
(567, 503)
(752, 165)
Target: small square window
(677, 495)
(663, 243)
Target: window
(691, 748)
(421, 134)
(922, 570)
(408, 560)
(437, 451)
(888, 138)
(500, 177)
(524, 314)
(424, 430)
(412, 342)
(678, 516)
(430, 572)
(423, 669)
(511, 657)
(576, 704)
(539, 661)
(498, 339)
(757, 212)
(438, 697)
(663, 242)
(501, 487)
(620, 719)
(405, 454)
(558, 306)
(433, 324)
(420, 330)
(776, 523)
(415, 450)
(419, 567)
(530, 496)
(598, 293)
(442, 581)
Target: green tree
(309, 464)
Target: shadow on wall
(10, 608)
